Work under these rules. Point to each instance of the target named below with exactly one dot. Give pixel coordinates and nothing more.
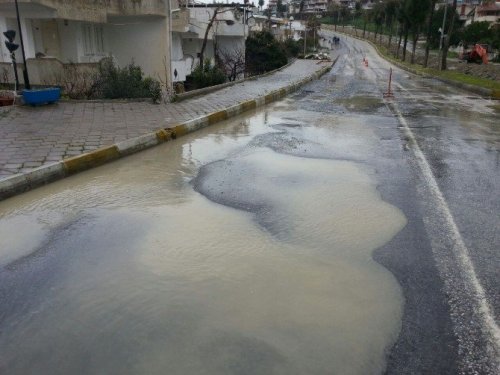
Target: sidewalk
(34, 137)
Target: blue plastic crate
(42, 96)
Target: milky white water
(265, 268)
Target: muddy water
(243, 249)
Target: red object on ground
(6, 101)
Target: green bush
(210, 75)
(264, 53)
(292, 47)
(127, 82)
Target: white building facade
(189, 25)
(82, 32)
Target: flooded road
(292, 240)
(129, 268)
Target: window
(93, 39)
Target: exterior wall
(92, 11)
(4, 53)
(186, 46)
(181, 63)
(144, 43)
(44, 71)
(192, 47)
(230, 44)
(71, 41)
(142, 39)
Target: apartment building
(82, 32)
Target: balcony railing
(180, 20)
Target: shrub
(292, 47)
(210, 75)
(127, 82)
(264, 53)
(77, 83)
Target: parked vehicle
(478, 54)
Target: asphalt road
(438, 161)
(331, 232)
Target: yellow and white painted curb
(51, 172)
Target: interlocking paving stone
(30, 137)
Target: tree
(446, 43)
(334, 10)
(312, 26)
(391, 8)
(211, 22)
(263, 53)
(429, 32)
(344, 14)
(231, 62)
(261, 4)
(416, 11)
(478, 32)
(367, 16)
(405, 20)
(280, 8)
(378, 17)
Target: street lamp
(27, 85)
(12, 47)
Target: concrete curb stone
(21, 183)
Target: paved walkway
(31, 137)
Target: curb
(210, 89)
(21, 183)
(487, 93)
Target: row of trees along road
(411, 19)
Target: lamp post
(12, 47)
(27, 85)
(305, 40)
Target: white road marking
(458, 253)
(459, 250)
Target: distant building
(189, 25)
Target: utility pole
(305, 40)
(442, 34)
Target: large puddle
(265, 268)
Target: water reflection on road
(132, 271)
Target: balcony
(180, 20)
(84, 10)
(230, 28)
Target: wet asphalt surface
(459, 136)
(451, 206)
